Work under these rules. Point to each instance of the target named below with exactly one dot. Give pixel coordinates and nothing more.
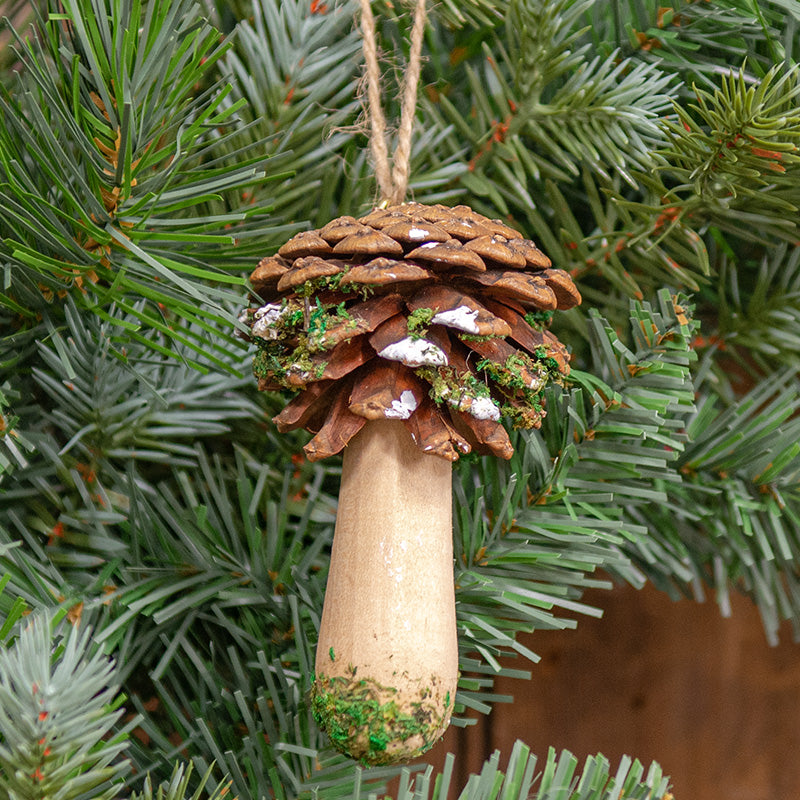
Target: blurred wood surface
(674, 682)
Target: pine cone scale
(300, 410)
(426, 314)
(387, 391)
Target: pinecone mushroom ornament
(408, 333)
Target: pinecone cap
(431, 315)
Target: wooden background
(674, 682)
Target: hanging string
(402, 155)
(392, 178)
(377, 121)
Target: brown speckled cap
(431, 315)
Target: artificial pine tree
(164, 550)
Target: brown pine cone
(432, 315)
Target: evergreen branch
(12, 610)
(252, 722)
(30, 580)
(57, 708)
(749, 122)
(12, 442)
(119, 406)
(178, 787)
(542, 107)
(475, 13)
(699, 40)
(605, 114)
(620, 451)
(760, 320)
(297, 71)
(469, 14)
(105, 131)
(524, 548)
(734, 518)
(621, 251)
(132, 173)
(103, 408)
(546, 42)
(558, 777)
(760, 419)
(203, 568)
(733, 161)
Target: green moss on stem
(373, 723)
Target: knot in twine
(392, 177)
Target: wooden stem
(387, 658)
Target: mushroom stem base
(387, 655)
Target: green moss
(508, 374)
(474, 337)
(515, 386)
(539, 320)
(299, 334)
(328, 283)
(418, 322)
(476, 386)
(318, 320)
(525, 416)
(276, 361)
(343, 313)
(550, 363)
(268, 362)
(319, 370)
(441, 380)
(369, 722)
(362, 290)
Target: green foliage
(733, 520)
(57, 712)
(609, 445)
(733, 162)
(548, 106)
(115, 170)
(283, 69)
(150, 154)
(759, 312)
(695, 40)
(557, 779)
(178, 787)
(12, 445)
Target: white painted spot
(430, 244)
(462, 318)
(537, 381)
(266, 317)
(402, 408)
(271, 310)
(415, 353)
(484, 408)
(393, 572)
(417, 234)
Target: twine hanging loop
(392, 177)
